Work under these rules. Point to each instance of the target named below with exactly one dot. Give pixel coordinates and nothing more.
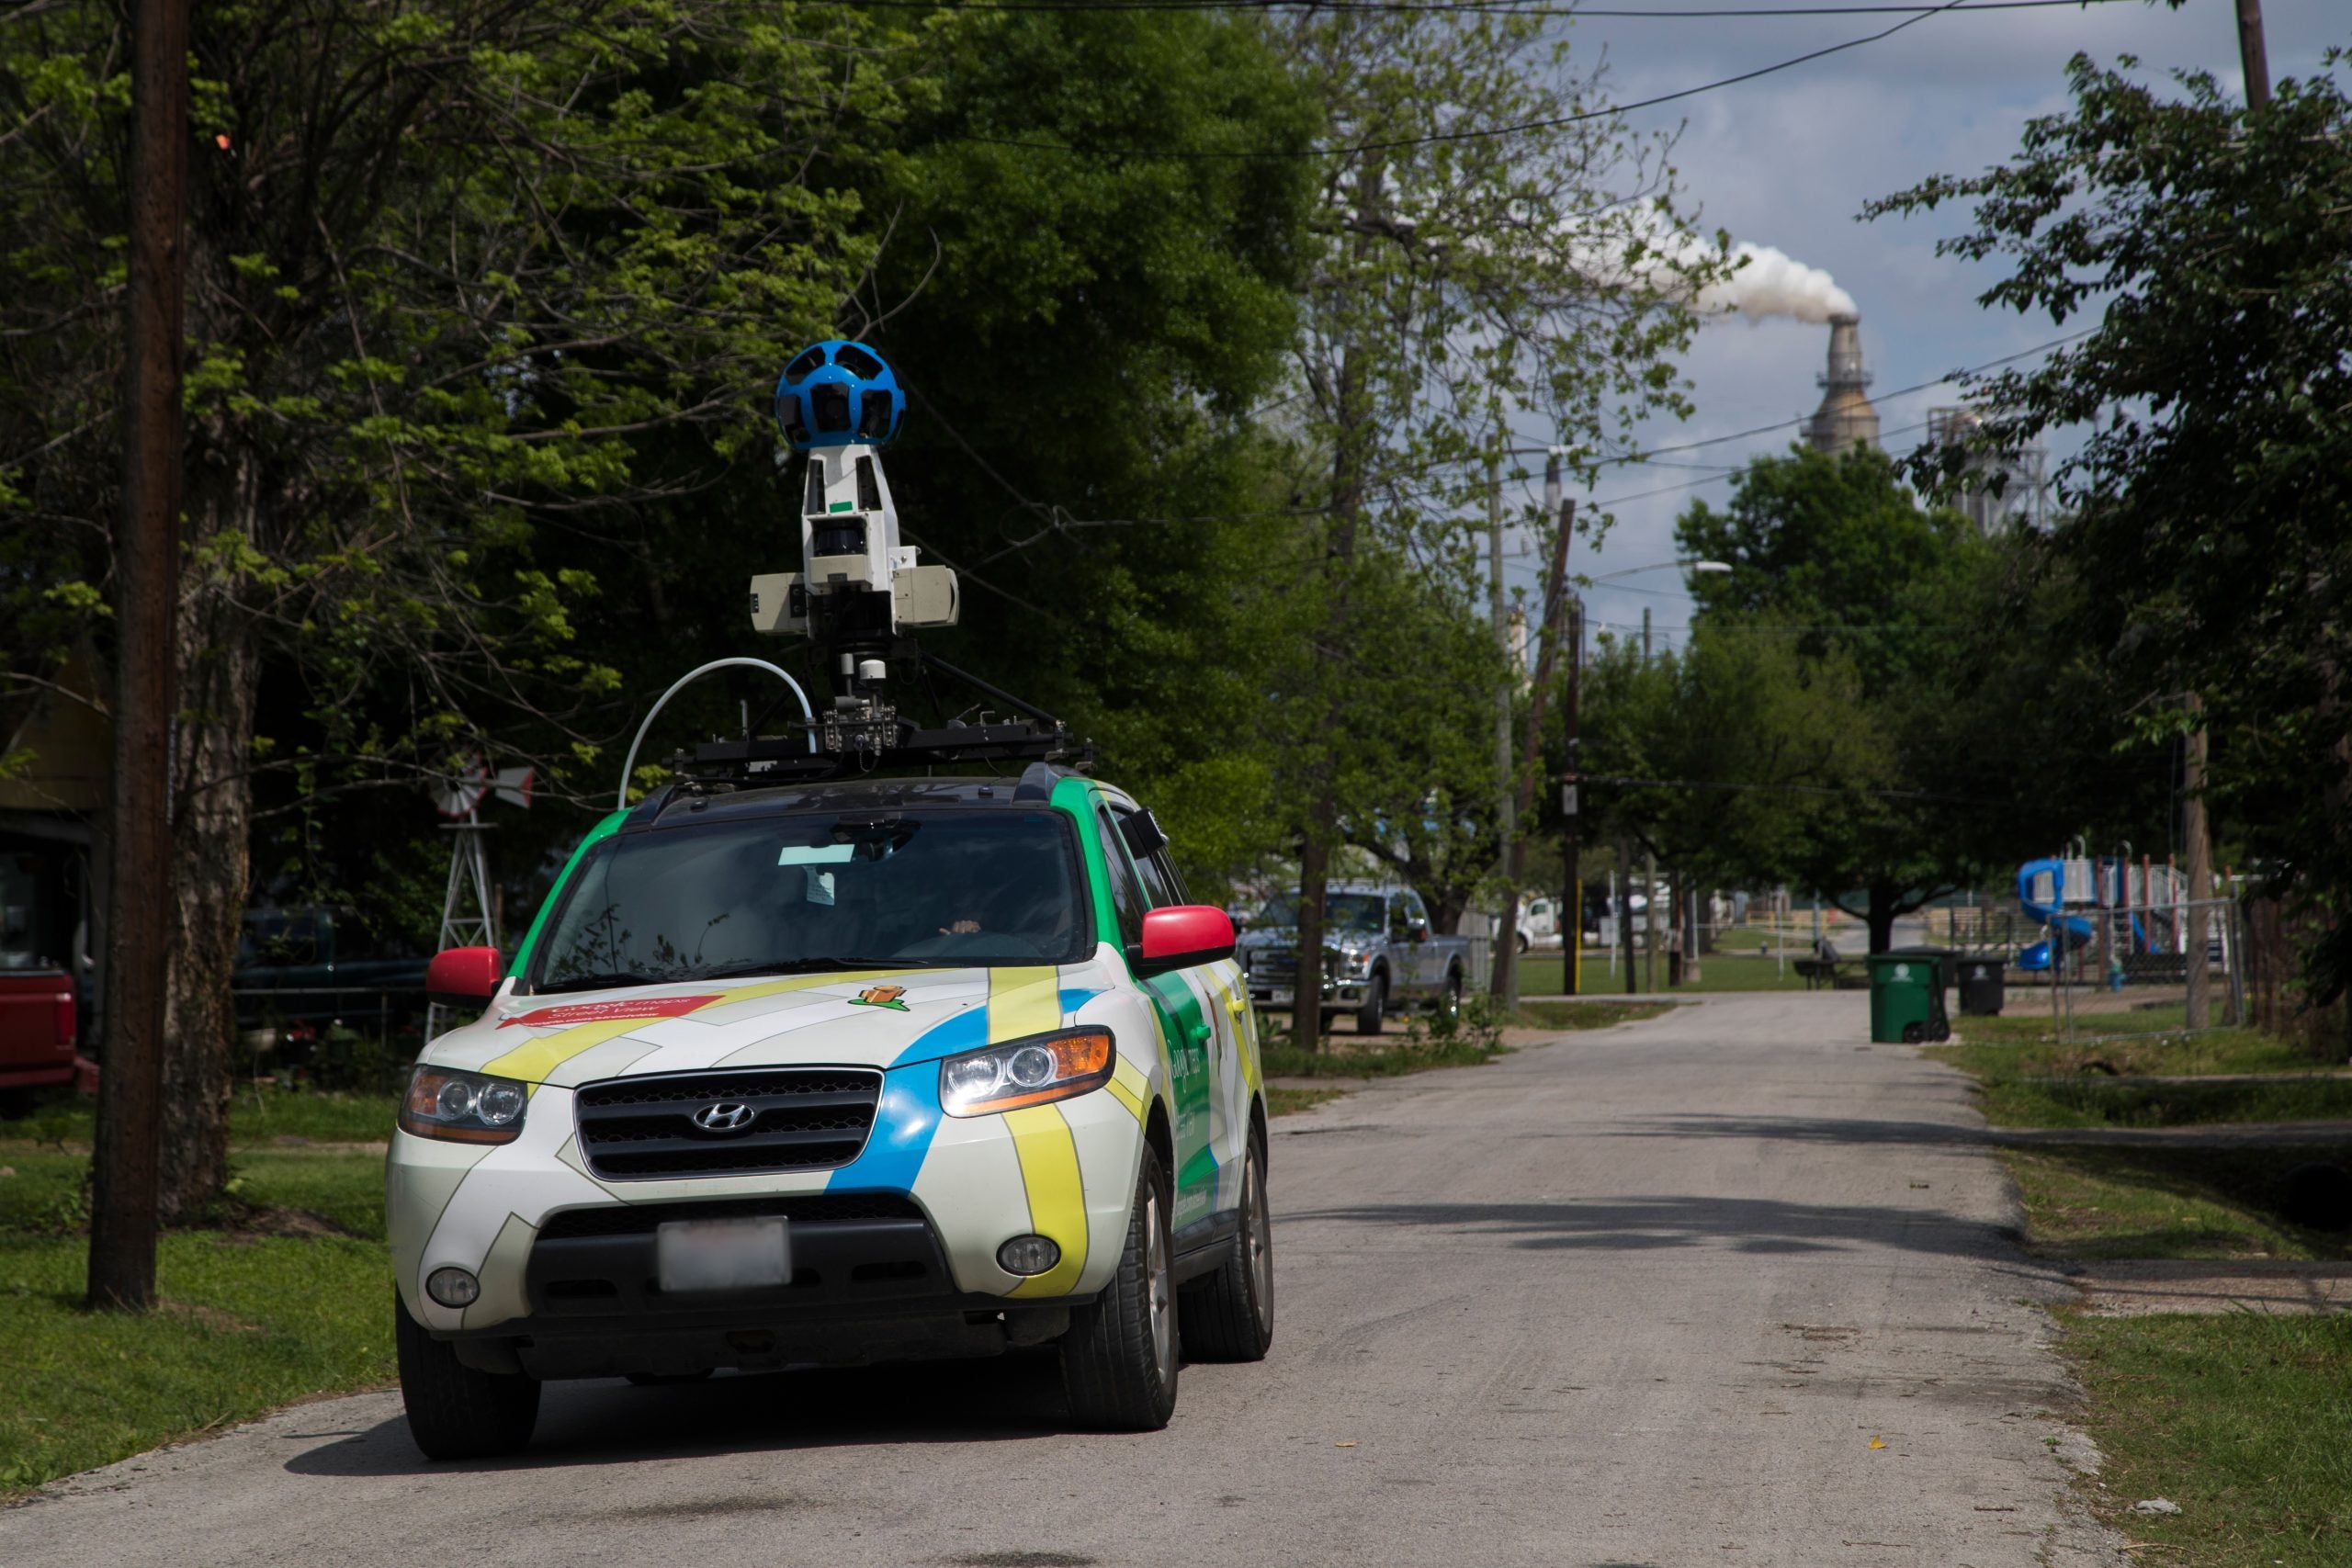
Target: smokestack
(1846, 419)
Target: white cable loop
(629, 766)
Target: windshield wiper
(787, 966)
(604, 982)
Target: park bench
(1826, 969)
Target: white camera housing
(849, 545)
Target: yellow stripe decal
(1127, 1096)
(1023, 1001)
(798, 983)
(1048, 1155)
(534, 1059)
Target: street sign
(1568, 800)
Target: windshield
(1341, 911)
(818, 891)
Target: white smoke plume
(1773, 283)
(1766, 283)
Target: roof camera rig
(859, 598)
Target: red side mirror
(463, 976)
(1182, 935)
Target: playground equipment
(2128, 908)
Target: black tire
(1449, 1001)
(1375, 1005)
(1229, 1315)
(1523, 944)
(454, 1412)
(1915, 1034)
(1119, 1357)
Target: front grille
(800, 1118)
(1278, 967)
(801, 1209)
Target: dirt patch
(2138, 1287)
(244, 1224)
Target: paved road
(1646, 1296)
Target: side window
(1159, 873)
(1400, 918)
(1417, 912)
(1126, 893)
(1177, 894)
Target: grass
(2084, 1202)
(1282, 1100)
(2239, 1419)
(1376, 1056)
(1540, 974)
(258, 1115)
(2029, 1079)
(249, 1319)
(1567, 1016)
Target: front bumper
(870, 1282)
(564, 1254)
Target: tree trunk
(1625, 907)
(220, 671)
(1307, 991)
(1883, 900)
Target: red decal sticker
(603, 1012)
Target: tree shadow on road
(606, 1421)
(1653, 1223)
(1842, 1131)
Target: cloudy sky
(1788, 159)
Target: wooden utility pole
(2252, 56)
(1547, 665)
(2198, 831)
(1505, 986)
(124, 1162)
(1572, 801)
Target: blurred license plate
(723, 1255)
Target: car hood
(879, 1017)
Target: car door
(1226, 1025)
(1183, 1024)
(1428, 963)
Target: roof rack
(867, 737)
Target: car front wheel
(454, 1411)
(1119, 1357)
(1376, 1006)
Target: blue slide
(2075, 929)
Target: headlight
(464, 1108)
(1042, 1068)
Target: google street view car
(820, 1056)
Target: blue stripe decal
(903, 1124)
(908, 1114)
(967, 1031)
(1075, 997)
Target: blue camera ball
(838, 394)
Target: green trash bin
(1907, 998)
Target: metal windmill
(469, 914)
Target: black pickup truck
(318, 965)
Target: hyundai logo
(726, 1116)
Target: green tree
(454, 274)
(2211, 499)
(1485, 254)
(1838, 557)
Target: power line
(1552, 122)
(1448, 8)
